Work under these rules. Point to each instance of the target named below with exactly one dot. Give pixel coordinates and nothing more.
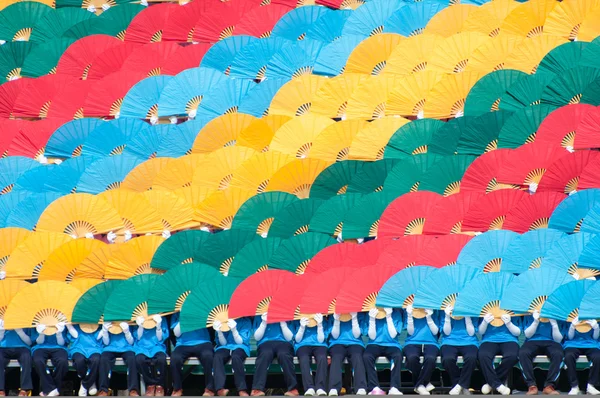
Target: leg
(160, 367)
(370, 356)
(142, 363)
(528, 351)
(264, 358)
(469, 354)
(205, 353)
(338, 354)
(178, 356)
(60, 361)
(40, 356)
(107, 361)
(93, 363)
(510, 357)
(555, 353)
(320, 354)
(571, 356)
(238, 358)
(285, 357)
(449, 358)
(24, 357)
(4, 360)
(80, 366)
(593, 355)
(412, 353)
(133, 377)
(394, 354)
(355, 353)
(304, 355)
(430, 354)
(487, 352)
(220, 358)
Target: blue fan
(66, 175)
(111, 138)
(329, 28)
(526, 251)
(141, 101)
(294, 25)
(589, 307)
(569, 214)
(221, 54)
(486, 251)
(251, 61)
(482, 295)
(563, 304)
(184, 92)
(591, 221)
(225, 97)
(333, 57)
(68, 139)
(399, 291)
(590, 255)
(528, 292)
(295, 60)
(29, 210)
(564, 255)
(34, 180)
(258, 100)
(411, 19)
(181, 138)
(11, 168)
(9, 202)
(369, 19)
(145, 146)
(441, 288)
(107, 173)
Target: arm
(104, 333)
(410, 322)
(487, 319)
(285, 330)
(60, 337)
(159, 332)
(140, 330)
(447, 321)
(390, 323)
(234, 332)
(320, 332)
(127, 333)
(177, 330)
(512, 328)
(469, 326)
(72, 331)
(530, 331)
(556, 334)
(259, 333)
(300, 333)
(355, 326)
(1, 329)
(41, 338)
(372, 328)
(433, 328)
(594, 324)
(335, 330)
(571, 332)
(23, 336)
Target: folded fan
(526, 251)
(399, 290)
(486, 251)
(482, 295)
(440, 289)
(563, 304)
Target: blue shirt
(544, 329)
(581, 340)
(273, 331)
(346, 336)
(49, 341)
(118, 343)
(86, 344)
(383, 337)
(459, 336)
(193, 338)
(244, 328)
(310, 338)
(501, 334)
(149, 345)
(422, 334)
(12, 340)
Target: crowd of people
(360, 338)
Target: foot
(93, 390)
(24, 393)
(208, 393)
(53, 393)
(150, 391)
(486, 389)
(103, 394)
(502, 389)
(430, 387)
(309, 393)
(377, 391)
(456, 390)
(243, 393)
(421, 390)
(361, 391)
(591, 390)
(223, 392)
(333, 392)
(574, 391)
(257, 393)
(2, 393)
(82, 391)
(533, 390)
(321, 393)
(134, 393)
(292, 393)
(394, 391)
(160, 391)
(550, 390)
(177, 393)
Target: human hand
(536, 315)
(124, 326)
(139, 320)
(263, 317)
(448, 310)
(232, 324)
(409, 310)
(575, 321)
(217, 325)
(40, 328)
(106, 326)
(303, 322)
(319, 318)
(1, 324)
(388, 311)
(60, 327)
(158, 319)
(354, 315)
(428, 313)
(336, 317)
(488, 318)
(553, 322)
(593, 323)
(373, 313)
(505, 318)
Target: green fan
(181, 248)
(591, 95)
(334, 179)
(486, 94)
(362, 220)
(92, 26)
(254, 257)
(522, 126)
(258, 212)
(42, 59)
(295, 218)
(53, 25)
(567, 88)
(481, 134)
(130, 299)
(68, 3)
(220, 250)
(120, 17)
(412, 139)
(90, 306)
(371, 176)
(590, 55)
(18, 19)
(444, 177)
(12, 56)
(406, 176)
(329, 217)
(525, 92)
(562, 58)
(295, 253)
(445, 140)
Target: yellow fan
(78, 214)
(333, 144)
(94, 265)
(295, 97)
(590, 27)
(142, 177)
(488, 17)
(221, 132)
(408, 99)
(528, 18)
(412, 54)
(28, 258)
(133, 258)
(135, 211)
(254, 174)
(454, 54)
(260, 132)
(369, 143)
(174, 211)
(216, 170)
(9, 239)
(6, 3)
(46, 303)
(447, 98)
(297, 177)
(450, 20)
(178, 173)
(296, 137)
(9, 289)
(84, 284)
(61, 264)
(369, 99)
(332, 98)
(492, 55)
(369, 57)
(527, 56)
(220, 207)
(566, 18)
(194, 195)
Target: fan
(482, 174)
(89, 309)
(220, 248)
(294, 219)
(408, 214)
(444, 250)
(62, 263)
(321, 295)
(564, 174)
(570, 213)
(525, 252)
(134, 258)
(447, 215)
(362, 220)
(565, 252)
(258, 213)
(334, 180)
(485, 252)
(334, 256)
(181, 248)
(297, 176)
(254, 257)
(285, 303)
(10, 238)
(295, 254)
(564, 303)
(9, 288)
(135, 211)
(532, 212)
(527, 164)
(588, 308)
(589, 255)
(129, 300)
(399, 291)
(490, 211)
(329, 217)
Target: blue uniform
(273, 331)
(12, 340)
(346, 336)
(310, 338)
(544, 329)
(50, 342)
(581, 340)
(86, 344)
(501, 334)
(149, 345)
(244, 327)
(422, 334)
(383, 337)
(118, 342)
(193, 338)
(459, 336)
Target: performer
(582, 343)
(234, 345)
(346, 342)
(120, 345)
(151, 354)
(52, 347)
(311, 342)
(422, 339)
(15, 344)
(383, 341)
(85, 349)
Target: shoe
(134, 393)
(93, 390)
(103, 394)
(2, 394)
(177, 393)
(430, 387)
(486, 389)
(550, 390)
(361, 391)
(24, 393)
(321, 393)
(292, 393)
(377, 391)
(55, 393)
(150, 391)
(82, 391)
(574, 391)
(591, 390)
(257, 393)
(533, 390)
(309, 393)
(208, 393)
(421, 390)
(243, 393)
(502, 389)
(456, 390)
(394, 391)
(160, 391)
(223, 392)
(333, 392)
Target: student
(458, 338)
(346, 342)
(422, 339)
(15, 344)
(85, 349)
(151, 354)
(383, 341)
(274, 340)
(234, 345)
(541, 338)
(54, 348)
(498, 340)
(582, 343)
(311, 342)
(196, 343)
(118, 346)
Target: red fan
(367, 254)
(448, 214)
(9, 93)
(332, 257)
(405, 252)
(285, 303)
(588, 131)
(150, 58)
(359, 293)
(105, 96)
(482, 174)
(289, 3)
(559, 128)
(532, 212)
(35, 100)
(563, 175)
(590, 177)
(320, 296)
(490, 210)
(69, 104)
(185, 58)
(181, 22)
(253, 295)
(337, 4)
(77, 60)
(9, 129)
(220, 23)
(259, 21)
(527, 164)
(444, 250)
(407, 215)
(32, 137)
(111, 60)
(147, 26)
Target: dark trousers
(510, 357)
(204, 352)
(450, 355)
(305, 354)
(153, 370)
(284, 352)
(354, 353)
(107, 361)
(530, 349)
(21, 354)
(238, 357)
(87, 368)
(571, 356)
(60, 362)
(421, 374)
(372, 352)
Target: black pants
(305, 354)
(530, 349)
(284, 352)
(354, 353)
(23, 355)
(450, 355)
(510, 357)
(87, 368)
(107, 361)
(421, 374)
(571, 356)
(60, 362)
(153, 370)
(204, 353)
(372, 352)
(238, 357)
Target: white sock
(93, 390)
(486, 389)
(502, 389)
(456, 390)
(421, 390)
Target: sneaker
(377, 391)
(333, 392)
(309, 393)
(550, 390)
(430, 387)
(361, 391)
(486, 389)
(292, 393)
(591, 390)
(321, 392)
(394, 391)
(574, 391)
(421, 390)
(82, 391)
(533, 390)
(456, 390)
(93, 390)
(53, 393)
(502, 389)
